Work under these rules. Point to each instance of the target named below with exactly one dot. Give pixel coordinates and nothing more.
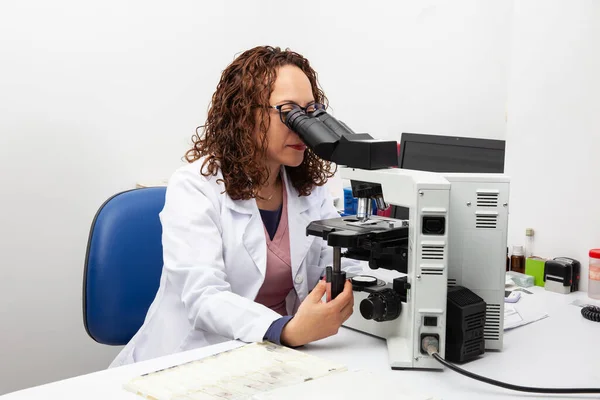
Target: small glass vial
(594, 274)
(517, 260)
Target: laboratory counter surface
(559, 351)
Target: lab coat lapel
(299, 216)
(253, 237)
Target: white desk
(561, 350)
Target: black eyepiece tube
(321, 139)
(337, 126)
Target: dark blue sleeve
(274, 332)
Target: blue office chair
(123, 264)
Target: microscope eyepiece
(332, 140)
(314, 133)
(338, 127)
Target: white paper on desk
(586, 302)
(518, 315)
(235, 374)
(350, 385)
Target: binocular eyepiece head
(332, 140)
(318, 130)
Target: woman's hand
(317, 320)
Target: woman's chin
(293, 161)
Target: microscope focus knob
(384, 305)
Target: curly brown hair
(229, 141)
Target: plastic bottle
(517, 260)
(594, 274)
(529, 248)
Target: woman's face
(284, 146)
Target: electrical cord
(431, 345)
(591, 312)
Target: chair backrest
(123, 264)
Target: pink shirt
(278, 277)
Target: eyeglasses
(285, 109)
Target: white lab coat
(215, 253)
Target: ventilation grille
(475, 321)
(473, 345)
(486, 221)
(462, 297)
(491, 331)
(487, 199)
(432, 252)
(429, 270)
(451, 282)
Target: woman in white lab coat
(237, 261)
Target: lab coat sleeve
(328, 211)
(193, 261)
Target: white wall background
(96, 96)
(553, 130)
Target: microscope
(455, 235)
